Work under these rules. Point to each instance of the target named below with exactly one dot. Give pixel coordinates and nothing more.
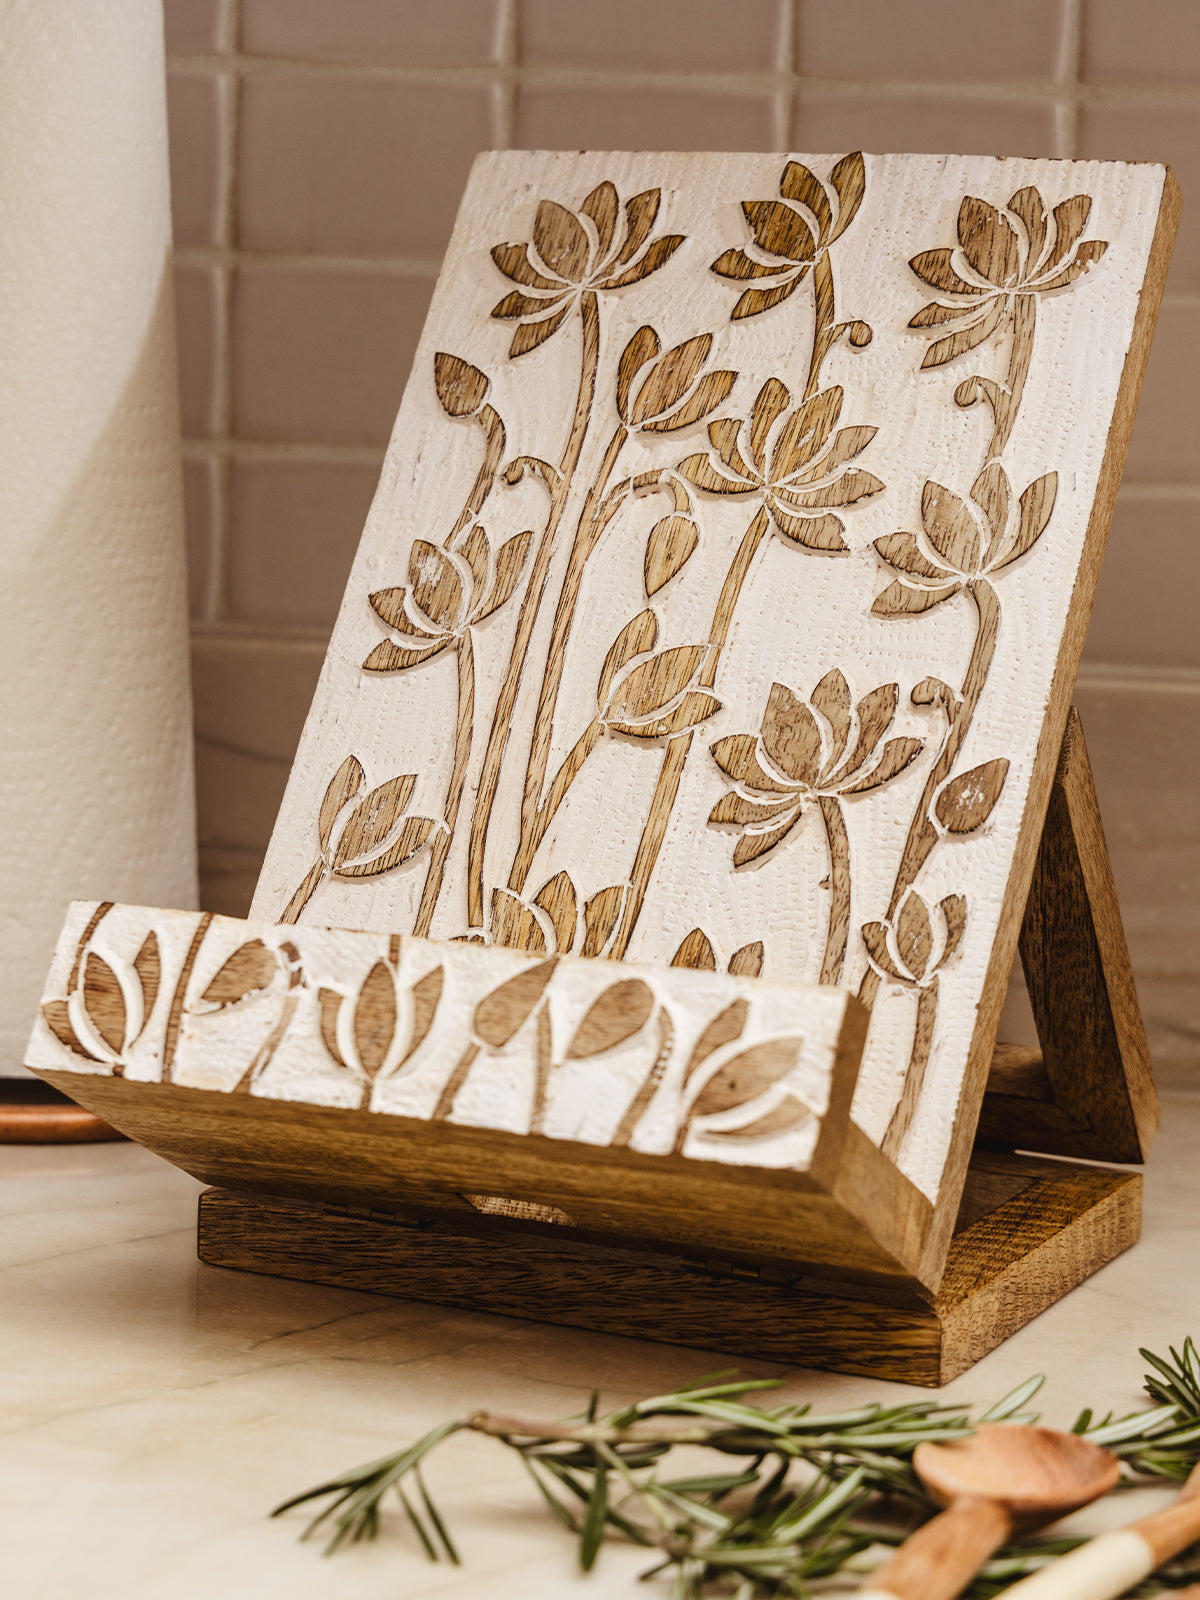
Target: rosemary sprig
(816, 1493)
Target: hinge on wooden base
(373, 1214)
(761, 1273)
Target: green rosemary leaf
(418, 1525)
(1137, 1426)
(597, 1515)
(1012, 1402)
(439, 1526)
(718, 1483)
(556, 1506)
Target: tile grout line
(1066, 109)
(1033, 91)
(784, 100)
(231, 110)
(504, 88)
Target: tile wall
(318, 148)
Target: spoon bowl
(1036, 1474)
(1002, 1479)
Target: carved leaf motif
(746, 1077)
(904, 600)
(813, 533)
(250, 968)
(670, 378)
(642, 347)
(779, 229)
(612, 1018)
(752, 845)
(950, 527)
(634, 639)
(849, 179)
(897, 754)
(389, 657)
(976, 327)
(874, 936)
(461, 388)
(696, 951)
(1037, 504)
(742, 813)
(703, 400)
(954, 909)
(755, 300)
(989, 241)
(748, 961)
(670, 546)
(375, 1018)
(104, 1002)
(558, 899)
(737, 756)
(790, 735)
(692, 710)
(653, 685)
(58, 1020)
(436, 585)
(475, 550)
(501, 1014)
(603, 207)
(331, 1004)
(659, 253)
(373, 819)
(529, 335)
(966, 802)
(426, 996)
(831, 698)
(724, 1028)
(901, 550)
(510, 563)
(343, 786)
(914, 935)
(411, 838)
(600, 918)
(514, 925)
(148, 966)
(560, 241)
(789, 1113)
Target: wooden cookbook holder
(1027, 1230)
(956, 445)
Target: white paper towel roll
(96, 791)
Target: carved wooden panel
(727, 577)
(642, 1058)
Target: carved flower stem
(1006, 401)
(922, 834)
(731, 591)
(263, 1059)
(839, 888)
(914, 1076)
(676, 753)
(316, 873)
(826, 331)
(530, 606)
(565, 777)
(587, 534)
(493, 428)
(464, 725)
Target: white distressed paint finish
(339, 1018)
(801, 612)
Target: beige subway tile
(448, 33)
(195, 104)
(668, 36)
(293, 530)
(1144, 742)
(1171, 1012)
(323, 356)
(637, 119)
(1111, 131)
(1146, 608)
(228, 879)
(251, 699)
(201, 508)
(1152, 41)
(929, 41)
(341, 165)
(193, 27)
(197, 331)
(1164, 446)
(923, 124)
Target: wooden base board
(1029, 1232)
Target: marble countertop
(153, 1410)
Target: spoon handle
(1108, 1566)
(940, 1559)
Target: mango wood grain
(1057, 1225)
(302, 1151)
(1054, 727)
(1096, 1063)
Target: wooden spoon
(1112, 1563)
(1000, 1480)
